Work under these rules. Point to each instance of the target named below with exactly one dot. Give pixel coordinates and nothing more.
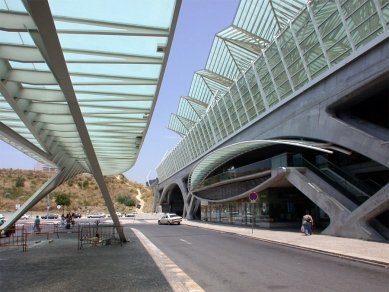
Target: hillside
(16, 186)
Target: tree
(62, 200)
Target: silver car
(170, 218)
(96, 215)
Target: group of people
(67, 220)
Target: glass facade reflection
(276, 207)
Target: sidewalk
(355, 249)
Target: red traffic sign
(253, 196)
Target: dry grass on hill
(82, 189)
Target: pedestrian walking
(307, 223)
(37, 223)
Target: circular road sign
(253, 196)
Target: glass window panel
(292, 57)
(254, 89)
(233, 90)
(249, 73)
(230, 130)
(332, 38)
(252, 81)
(235, 122)
(271, 51)
(323, 10)
(283, 84)
(350, 6)
(285, 38)
(249, 101)
(317, 65)
(369, 38)
(341, 47)
(260, 66)
(366, 31)
(280, 79)
(278, 70)
(242, 116)
(299, 79)
(313, 54)
(223, 132)
(289, 46)
(301, 20)
(309, 42)
(320, 71)
(259, 103)
(252, 113)
(243, 89)
(307, 31)
(272, 99)
(328, 28)
(266, 80)
(385, 11)
(361, 14)
(284, 89)
(275, 60)
(296, 67)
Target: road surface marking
(177, 278)
(187, 242)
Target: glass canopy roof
(80, 79)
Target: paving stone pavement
(61, 266)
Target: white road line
(187, 242)
(177, 278)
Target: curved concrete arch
(186, 197)
(220, 156)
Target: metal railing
(246, 170)
(98, 234)
(14, 236)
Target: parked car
(117, 213)
(25, 216)
(170, 218)
(2, 216)
(96, 215)
(50, 216)
(77, 215)
(132, 214)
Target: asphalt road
(226, 262)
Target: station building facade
(293, 105)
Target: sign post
(253, 198)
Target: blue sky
(198, 22)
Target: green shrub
(85, 184)
(126, 200)
(20, 182)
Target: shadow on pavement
(60, 266)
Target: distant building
(44, 167)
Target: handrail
(246, 170)
(358, 197)
(324, 163)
